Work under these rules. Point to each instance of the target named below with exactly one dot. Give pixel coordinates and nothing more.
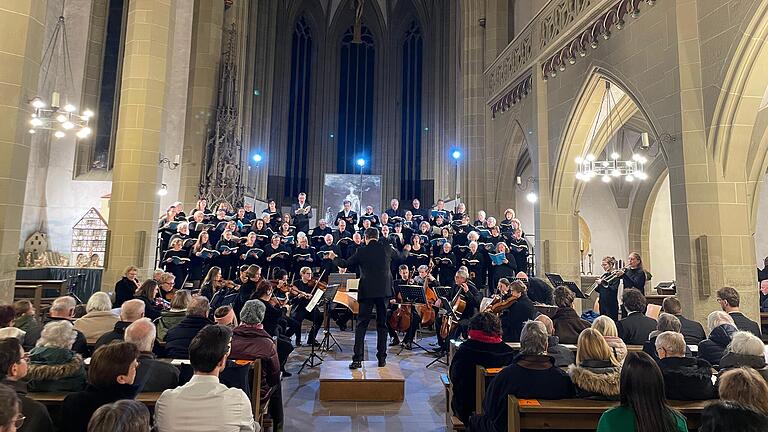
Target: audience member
(532, 375)
(152, 375)
(643, 406)
(727, 416)
(605, 325)
(635, 328)
(251, 342)
(177, 339)
(483, 348)
(111, 376)
(538, 290)
(53, 366)
(685, 377)
(129, 312)
(568, 324)
(516, 315)
(745, 386)
(225, 315)
(222, 408)
(99, 318)
(171, 318)
(596, 372)
(562, 355)
(746, 350)
(122, 416)
(7, 315)
(26, 320)
(692, 331)
(126, 287)
(764, 295)
(728, 298)
(721, 330)
(10, 412)
(147, 293)
(13, 370)
(63, 309)
(666, 322)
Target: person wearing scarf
(484, 348)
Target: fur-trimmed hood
(51, 363)
(598, 377)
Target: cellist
(404, 278)
(465, 290)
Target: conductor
(375, 289)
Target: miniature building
(89, 237)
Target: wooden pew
(482, 378)
(451, 420)
(578, 414)
(38, 290)
(56, 398)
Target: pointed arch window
(411, 126)
(356, 81)
(299, 110)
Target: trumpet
(612, 277)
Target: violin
(500, 303)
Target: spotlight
(257, 158)
(84, 132)
(61, 118)
(615, 173)
(531, 197)
(67, 125)
(361, 162)
(605, 164)
(641, 175)
(36, 122)
(642, 160)
(456, 155)
(163, 191)
(635, 157)
(579, 176)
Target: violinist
(404, 278)
(299, 307)
(248, 288)
(282, 293)
(272, 315)
(608, 289)
(465, 290)
(516, 315)
(167, 290)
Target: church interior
(506, 214)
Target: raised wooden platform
(367, 384)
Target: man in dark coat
(538, 290)
(177, 339)
(373, 260)
(692, 331)
(713, 348)
(63, 309)
(484, 348)
(685, 378)
(129, 312)
(522, 310)
(635, 328)
(152, 374)
(13, 368)
(729, 302)
(301, 212)
(532, 375)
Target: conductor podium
(367, 384)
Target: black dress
(180, 269)
(124, 290)
(609, 301)
(446, 268)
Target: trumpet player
(608, 288)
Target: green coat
(622, 418)
(53, 369)
(167, 321)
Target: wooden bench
(453, 422)
(56, 398)
(37, 290)
(578, 414)
(483, 377)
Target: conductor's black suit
(374, 290)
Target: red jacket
(250, 342)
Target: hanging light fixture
(58, 114)
(612, 167)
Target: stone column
(136, 174)
(203, 84)
(19, 68)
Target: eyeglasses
(20, 420)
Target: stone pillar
(203, 84)
(19, 68)
(710, 207)
(136, 174)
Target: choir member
(370, 216)
(384, 221)
(219, 225)
(166, 226)
(259, 228)
(326, 263)
(202, 207)
(441, 211)
(418, 255)
(250, 215)
(518, 247)
(198, 262)
(276, 255)
(274, 214)
(476, 263)
(480, 222)
(302, 213)
(460, 212)
(319, 232)
(419, 214)
(249, 251)
(394, 210)
(175, 261)
(509, 224)
(445, 262)
(507, 268)
(303, 255)
(365, 224)
(227, 249)
(287, 234)
(348, 215)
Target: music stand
(327, 299)
(340, 279)
(413, 294)
(556, 280)
(314, 359)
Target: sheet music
(313, 302)
(484, 303)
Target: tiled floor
(423, 409)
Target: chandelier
(614, 167)
(58, 115)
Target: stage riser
(368, 384)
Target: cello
(400, 320)
(427, 311)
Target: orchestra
(469, 260)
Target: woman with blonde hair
(211, 282)
(596, 373)
(125, 287)
(98, 319)
(745, 386)
(607, 328)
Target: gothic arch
(642, 209)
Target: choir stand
(313, 360)
(327, 299)
(413, 294)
